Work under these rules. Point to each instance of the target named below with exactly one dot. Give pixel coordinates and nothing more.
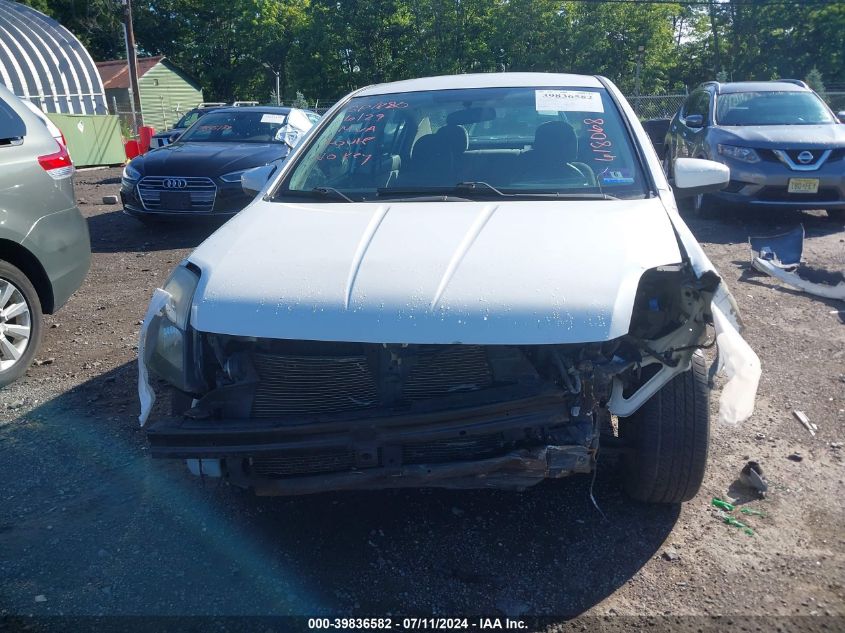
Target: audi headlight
(745, 154)
(234, 176)
(130, 175)
(167, 342)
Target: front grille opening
(295, 384)
(344, 460)
(303, 464)
(455, 369)
(301, 385)
(191, 193)
(451, 450)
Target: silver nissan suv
(44, 245)
(784, 146)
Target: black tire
(11, 275)
(669, 436)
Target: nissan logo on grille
(181, 183)
(805, 157)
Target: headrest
(454, 137)
(556, 138)
(425, 146)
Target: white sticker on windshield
(568, 101)
(273, 118)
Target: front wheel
(20, 323)
(668, 439)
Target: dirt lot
(89, 525)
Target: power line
(721, 3)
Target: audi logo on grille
(805, 157)
(175, 183)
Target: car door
(692, 126)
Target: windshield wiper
(417, 195)
(486, 189)
(557, 195)
(331, 191)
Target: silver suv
(44, 245)
(784, 146)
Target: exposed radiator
(302, 385)
(298, 385)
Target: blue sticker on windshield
(616, 177)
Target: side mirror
(694, 121)
(253, 180)
(174, 137)
(694, 176)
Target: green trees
(325, 48)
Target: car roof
(758, 86)
(267, 109)
(483, 80)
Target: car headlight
(130, 174)
(745, 154)
(167, 343)
(234, 176)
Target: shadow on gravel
(736, 226)
(116, 232)
(97, 527)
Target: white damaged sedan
(466, 281)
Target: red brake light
(58, 165)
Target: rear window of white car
(520, 141)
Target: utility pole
(640, 51)
(278, 87)
(132, 61)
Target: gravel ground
(90, 525)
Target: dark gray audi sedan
(199, 175)
(784, 146)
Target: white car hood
(522, 272)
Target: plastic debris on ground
(805, 421)
(752, 477)
(723, 505)
(779, 256)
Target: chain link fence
(836, 100)
(657, 106)
(647, 107)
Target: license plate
(803, 185)
(175, 201)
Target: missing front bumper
(510, 445)
(516, 470)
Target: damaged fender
(736, 359)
